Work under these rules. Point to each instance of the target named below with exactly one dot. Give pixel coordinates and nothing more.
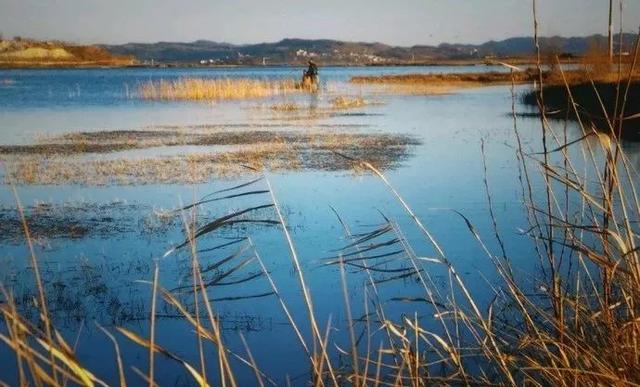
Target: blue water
(54, 88)
(442, 174)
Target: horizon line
(321, 39)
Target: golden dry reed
(197, 89)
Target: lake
(97, 244)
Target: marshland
(201, 224)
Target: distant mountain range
(297, 51)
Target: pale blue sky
(399, 22)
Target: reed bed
(587, 71)
(205, 89)
(460, 79)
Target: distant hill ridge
(29, 52)
(293, 51)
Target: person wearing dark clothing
(310, 77)
(313, 69)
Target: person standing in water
(312, 71)
(310, 77)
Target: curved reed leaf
(221, 246)
(233, 188)
(156, 348)
(224, 220)
(235, 282)
(372, 235)
(224, 275)
(85, 376)
(333, 261)
(236, 298)
(249, 193)
(418, 299)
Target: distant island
(20, 52)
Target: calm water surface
(93, 277)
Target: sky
(397, 22)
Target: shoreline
(181, 65)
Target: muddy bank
(598, 105)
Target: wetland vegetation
(60, 161)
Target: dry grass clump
(285, 107)
(345, 102)
(216, 89)
(326, 109)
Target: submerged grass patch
(334, 106)
(49, 221)
(120, 140)
(216, 89)
(68, 220)
(286, 150)
(285, 107)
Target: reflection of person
(312, 71)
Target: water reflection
(92, 258)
